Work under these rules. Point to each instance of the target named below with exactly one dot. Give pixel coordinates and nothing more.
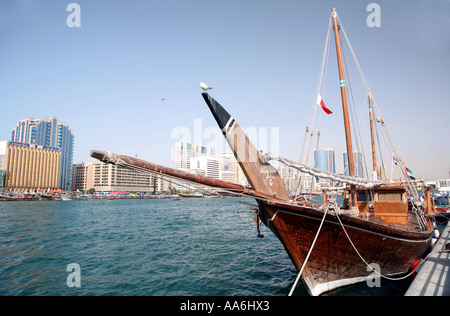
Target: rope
(309, 252)
(310, 127)
(368, 265)
(418, 208)
(266, 157)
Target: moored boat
(191, 195)
(381, 225)
(441, 204)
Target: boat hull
(333, 262)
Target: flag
(395, 160)
(322, 104)
(410, 174)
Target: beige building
(29, 167)
(230, 169)
(110, 178)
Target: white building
(208, 166)
(444, 185)
(183, 152)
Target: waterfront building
(444, 185)
(289, 177)
(296, 181)
(104, 177)
(29, 167)
(324, 160)
(82, 177)
(357, 162)
(202, 160)
(184, 151)
(382, 172)
(2, 179)
(50, 133)
(230, 169)
(207, 166)
(229, 176)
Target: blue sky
(107, 78)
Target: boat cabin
(388, 203)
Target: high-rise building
(50, 133)
(183, 152)
(29, 167)
(324, 159)
(208, 166)
(357, 163)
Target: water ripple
(139, 247)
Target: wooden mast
(372, 137)
(348, 136)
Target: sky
(107, 78)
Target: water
(193, 247)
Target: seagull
(204, 86)
(164, 99)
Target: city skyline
(126, 80)
(49, 132)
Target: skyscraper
(324, 160)
(209, 165)
(357, 163)
(183, 152)
(51, 133)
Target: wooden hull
(334, 262)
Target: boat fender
(414, 266)
(433, 241)
(436, 233)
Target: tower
(49, 133)
(358, 163)
(324, 159)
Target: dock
(433, 278)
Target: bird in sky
(204, 86)
(163, 99)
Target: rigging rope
(310, 127)
(416, 203)
(266, 157)
(374, 270)
(309, 252)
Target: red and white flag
(322, 104)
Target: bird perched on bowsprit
(204, 86)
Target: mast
(348, 136)
(372, 137)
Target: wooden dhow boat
(384, 227)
